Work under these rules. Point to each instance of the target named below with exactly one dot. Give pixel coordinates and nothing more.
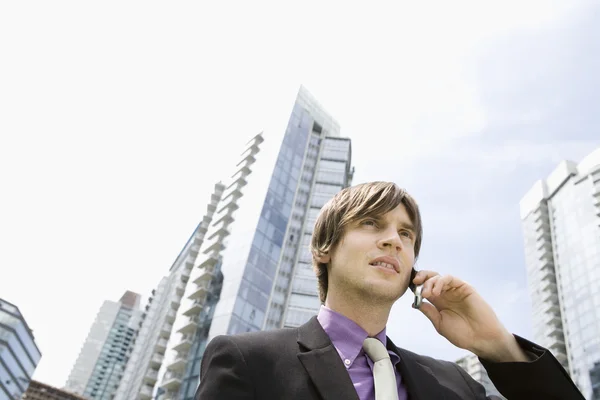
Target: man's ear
(323, 258)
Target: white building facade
(561, 225)
(143, 369)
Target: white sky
(117, 118)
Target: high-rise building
(142, 371)
(561, 224)
(105, 352)
(19, 355)
(41, 391)
(471, 364)
(254, 269)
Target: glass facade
(576, 236)
(19, 355)
(110, 366)
(253, 272)
(101, 362)
(561, 221)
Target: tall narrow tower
(561, 225)
(254, 269)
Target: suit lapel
(419, 380)
(323, 364)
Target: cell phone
(416, 289)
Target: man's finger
(441, 285)
(428, 286)
(431, 313)
(423, 275)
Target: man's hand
(461, 315)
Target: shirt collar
(346, 335)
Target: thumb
(431, 313)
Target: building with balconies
(254, 270)
(148, 355)
(561, 225)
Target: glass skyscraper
(104, 355)
(561, 225)
(254, 271)
(19, 355)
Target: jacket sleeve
(476, 388)
(224, 373)
(542, 378)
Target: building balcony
(172, 380)
(544, 252)
(550, 308)
(194, 250)
(146, 392)
(549, 295)
(215, 246)
(233, 190)
(596, 195)
(151, 377)
(555, 334)
(195, 307)
(544, 245)
(200, 291)
(205, 277)
(176, 302)
(165, 330)
(179, 362)
(185, 274)
(209, 261)
(185, 343)
(219, 234)
(180, 289)
(171, 395)
(171, 315)
(228, 208)
(189, 327)
(161, 345)
(548, 284)
(211, 208)
(156, 360)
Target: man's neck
(371, 317)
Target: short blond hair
(349, 205)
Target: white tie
(386, 387)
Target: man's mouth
(387, 263)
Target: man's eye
(369, 222)
(406, 234)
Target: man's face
(375, 257)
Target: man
(364, 246)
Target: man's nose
(391, 239)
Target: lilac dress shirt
(347, 337)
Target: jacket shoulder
(263, 343)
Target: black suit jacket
(302, 363)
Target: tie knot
(375, 349)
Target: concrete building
(254, 270)
(41, 391)
(142, 371)
(471, 364)
(101, 362)
(19, 355)
(561, 224)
